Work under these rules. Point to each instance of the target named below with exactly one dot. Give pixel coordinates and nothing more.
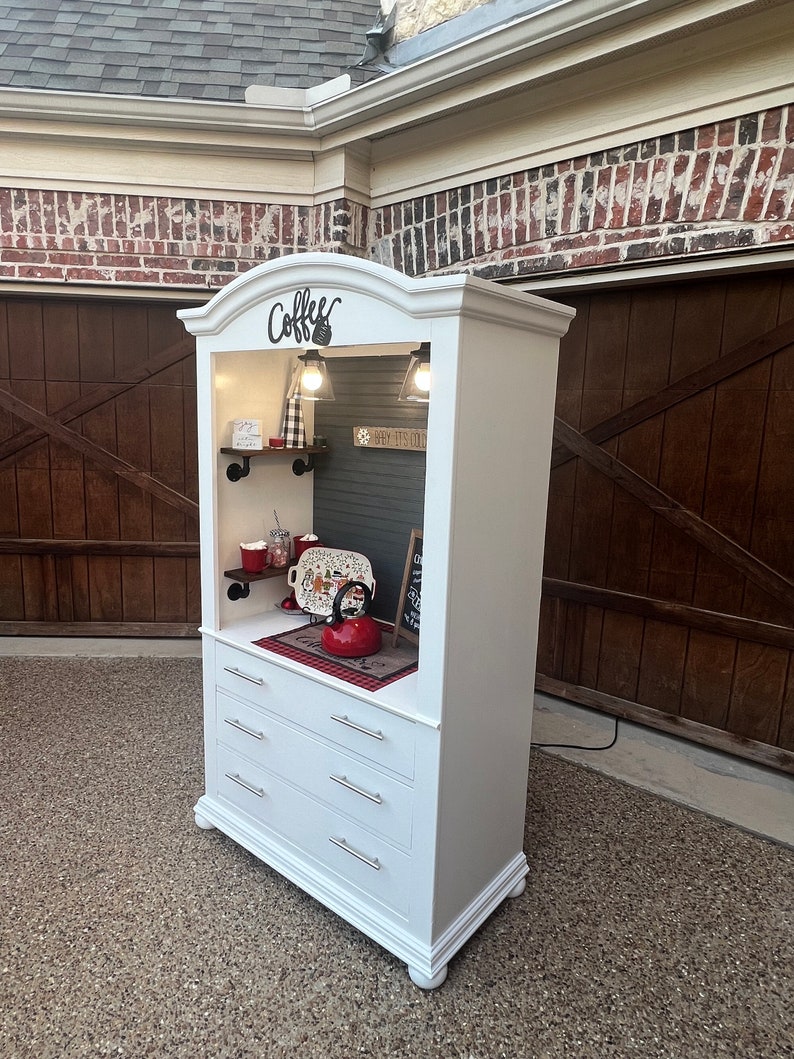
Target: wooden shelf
(236, 471)
(257, 453)
(245, 578)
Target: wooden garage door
(98, 527)
(669, 587)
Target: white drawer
(378, 802)
(377, 735)
(356, 855)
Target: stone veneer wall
(715, 189)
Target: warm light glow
(422, 378)
(312, 377)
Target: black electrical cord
(576, 746)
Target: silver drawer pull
(345, 782)
(239, 673)
(344, 719)
(354, 853)
(236, 778)
(242, 728)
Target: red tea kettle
(355, 636)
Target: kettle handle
(336, 616)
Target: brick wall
(719, 188)
(143, 240)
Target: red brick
(744, 164)
(506, 220)
(602, 191)
(780, 195)
(575, 242)
(48, 212)
(534, 213)
(706, 137)
(620, 197)
(34, 212)
(696, 189)
(184, 279)
(637, 195)
(789, 115)
(594, 257)
(675, 191)
(780, 233)
(726, 133)
(640, 232)
(657, 189)
(478, 226)
(520, 216)
(39, 272)
(770, 127)
(115, 261)
(567, 220)
(25, 255)
(715, 193)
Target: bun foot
(519, 888)
(203, 822)
(425, 982)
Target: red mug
(301, 546)
(255, 559)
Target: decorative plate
(321, 572)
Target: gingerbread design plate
(321, 572)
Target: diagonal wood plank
(92, 451)
(100, 394)
(676, 514)
(742, 357)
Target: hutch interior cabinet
(400, 809)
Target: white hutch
(423, 839)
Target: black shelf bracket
(299, 467)
(237, 591)
(234, 472)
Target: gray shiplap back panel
(369, 500)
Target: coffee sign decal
(308, 321)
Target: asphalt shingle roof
(190, 49)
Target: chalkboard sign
(406, 623)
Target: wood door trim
(100, 395)
(675, 613)
(98, 454)
(742, 357)
(763, 753)
(154, 549)
(669, 509)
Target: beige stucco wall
(413, 16)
